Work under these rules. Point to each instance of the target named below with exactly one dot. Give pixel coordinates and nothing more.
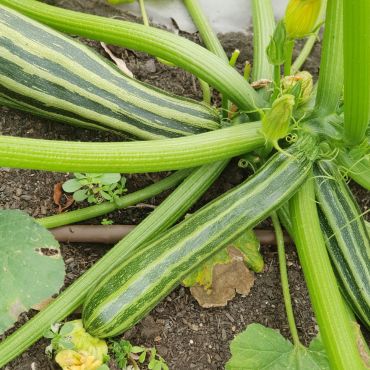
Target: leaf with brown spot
(227, 280)
(43, 304)
(31, 266)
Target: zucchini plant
(307, 137)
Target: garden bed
(187, 336)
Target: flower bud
(300, 85)
(301, 17)
(276, 48)
(275, 123)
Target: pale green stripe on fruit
(136, 286)
(349, 245)
(40, 63)
(75, 69)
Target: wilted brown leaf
(227, 280)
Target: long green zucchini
(131, 290)
(47, 73)
(346, 237)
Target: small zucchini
(130, 291)
(49, 74)
(347, 238)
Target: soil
(187, 336)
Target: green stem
(234, 57)
(356, 69)
(305, 52)
(206, 91)
(107, 207)
(210, 40)
(144, 14)
(130, 157)
(335, 326)
(160, 43)
(164, 216)
(206, 32)
(330, 84)
(276, 82)
(284, 279)
(263, 29)
(288, 57)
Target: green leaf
(31, 266)
(72, 185)
(260, 348)
(142, 357)
(79, 176)
(105, 195)
(80, 195)
(137, 349)
(103, 367)
(66, 328)
(110, 178)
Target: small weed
(130, 356)
(96, 187)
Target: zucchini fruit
(49, 74)
(347, 238)
(132, 289)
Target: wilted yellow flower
(305, 81)
(275, 123)
(301, 17)
(84, 342)
(72, 360)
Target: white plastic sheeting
(225, 15)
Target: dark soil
(187, 336)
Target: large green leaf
(259, 348)
(31, 266)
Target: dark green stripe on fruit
(126, 294)
(61, 74)
(347, 238)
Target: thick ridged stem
(87, 213)
(263, 29)
(330, 84)
(207, 34)
(162, 217)
(356, 69)
(336, 328)
(211, 42)
(130, 157)
(160, 43)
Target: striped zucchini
(346, 237)
(49, 74)
(131, 290)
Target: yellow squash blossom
(301, 17)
